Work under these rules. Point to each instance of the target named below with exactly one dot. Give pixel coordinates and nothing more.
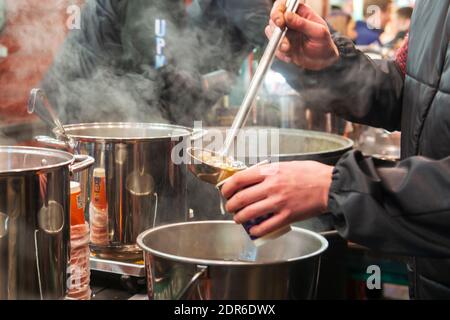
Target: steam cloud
(117, 81)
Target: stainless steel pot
(144, 187)
(203, 260)
(34, 221)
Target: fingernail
(284, 47)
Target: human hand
(291, 191)
(308, 42)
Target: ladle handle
(39, 105)
(264, 65)
(48, 142)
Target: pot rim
(347, 143)
(37, 151)
(121, 125)
(146, 249)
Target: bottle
(99, 189)
(98, 209)
(79, 267)
(76, 205)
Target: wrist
(344, 45)
(326, 186)
(344, 54)
(334, 57)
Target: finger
(246, 197)
(275, 223)
(283, 57)
(242, 180)
(309, 28)
(255, 210)
(269, 31)
(277, 13)
(305, 11)
(285, 45)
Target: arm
(332, 75)
(356, 88)
(400, 209)
(393, 208)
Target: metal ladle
(38, 104)
(197, 166)
(208, 172)
(264, 65)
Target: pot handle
(81, 163)
(156, 209)
(53, 143)
(39, 105)
(184, 294)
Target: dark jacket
(111, 69)
(401, 208)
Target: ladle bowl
(208, 172)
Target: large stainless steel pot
(144, 187)
(203, 260)
(34, 221)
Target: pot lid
(27, 159)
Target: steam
(117, 81)
(4, 140)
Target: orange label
(99, 193)
(76, 209)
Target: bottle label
(79, 202)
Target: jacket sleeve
(399, 208)
(356, 88)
